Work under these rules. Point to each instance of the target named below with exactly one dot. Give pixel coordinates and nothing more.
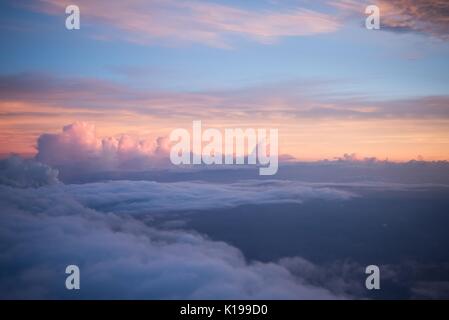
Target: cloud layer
(78, 146)
(124, 251)
(45, 229)
(21, 173)
(178, 22)
(143, 197)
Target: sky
(226, 234)
(138, 69)
(86, 178)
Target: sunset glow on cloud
(383, 101)
(196, 21)
(224, 149)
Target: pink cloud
(420, 16)
(193, 21)
(78, 146)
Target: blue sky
(371, 62)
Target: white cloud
(78, 146)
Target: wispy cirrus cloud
(33, 104)
(429, 17)
(211, 24)
(218, 25)
(423, 16)
(301, 99)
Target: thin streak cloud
(200, 22)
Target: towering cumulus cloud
(18, 172)
(193, 21)
(78, 146)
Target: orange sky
(310, 69)
(305, 139)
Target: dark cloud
(77, 147)
(429, 107)
(18, 172)
(81, 156)
(370, 173)
(45, 229)
(424, 16)
(340, 277)
(96, 96)
(106, 228)
(137, 197)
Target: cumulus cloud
(438, 290)
(45, 229)
(94, 226)
(106, 228)
(18, 172)
(78, 146)
(341, 277)
(425, 16)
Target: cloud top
(78, 146)
(22, 173)
(48, 228)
